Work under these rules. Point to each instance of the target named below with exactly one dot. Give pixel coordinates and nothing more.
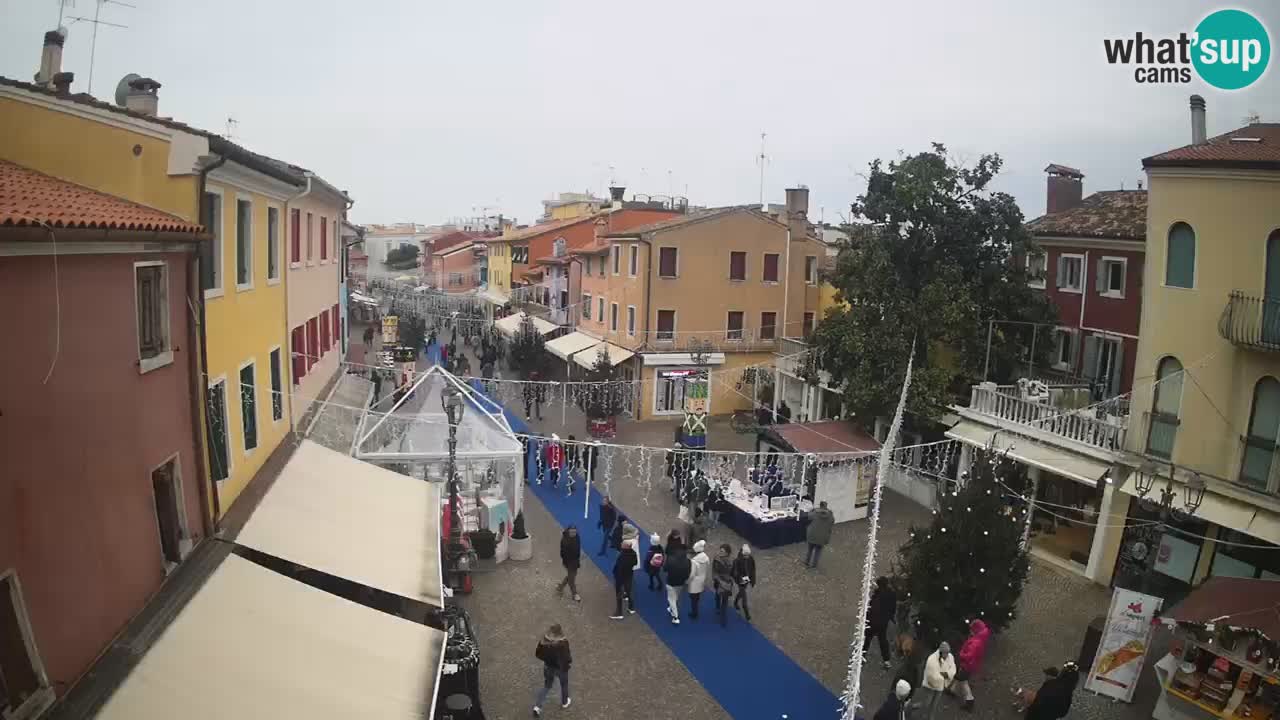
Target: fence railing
(1252, 322)
(1004, 402)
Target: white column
(1034, 474)
(966, 462)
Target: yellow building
(1206, 402)
(570, 205)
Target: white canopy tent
(254, 644)
(330, 512)
(567, 345)
(510, 325)
(587, 358)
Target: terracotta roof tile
(1255, 146)
(33, 199)
(827, 436)
(1115, 214)
(690, 218)
(541, 229)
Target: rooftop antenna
(98, 22)
(62, 9)
(761, 159)
(1253, 118)
(232, 122)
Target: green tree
(603, 401)
(402, 258)
(527, 354)
(935, 256)
(968, 563)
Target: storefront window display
(673, 386)
(1158, 554)
(1066, 518)
(1244, 556)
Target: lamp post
(1143, 544)
(461, 557)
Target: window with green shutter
(1180, 261)
(249, 407)
(1264, 427)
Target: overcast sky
(425, 110)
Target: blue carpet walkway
(749, 676)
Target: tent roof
(1235, 602)
(566, 345)
(587, 358)
(828, 436)
(330, 512)
(510, 324)
(256, 644)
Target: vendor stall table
(758, 528)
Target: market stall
(1223, 659)
(845, 467)
(762, 520)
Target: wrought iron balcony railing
(1251, 322)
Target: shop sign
(1123, 648)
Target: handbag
(657, 560)
(683, 515)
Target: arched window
(1180, 260)
(1165, 408)
(1264, 427)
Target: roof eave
(1157, 162)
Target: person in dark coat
(615, 538)
(624, 577)
(912, 667)
(678, 567)
(675, 542)
(571, 558)
(895, 706)
(722, 582)
(714, 505)
(608, 519)
(883, 609)
(697, 528)
(744, 573)
(653, 562)
(592, 460)
(1053, 699)
(821, 522)
(553, 651)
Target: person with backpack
(744, 573)
(678, 568)
(653, 562)
(571, 558)
(553, 651)
(623, 579)
(723, 582)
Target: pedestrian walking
(592, 460)
(939, 673)
(608, 518)
(722, 579)
(1053, 699)
(821, 520)
(673, 464)
(377, 387)
(539, 393)
(744, 572)
(910, 670)
(698, 577)
(623, 578)
(571, 558)
(678, 567)
(882, 610)
(553, 651)
(969, 660)
(715, 506)
(630, 534)
(697, 527)
(572, 454)
(675, 542)
(895, 706)
(653, 562)
(555, 459)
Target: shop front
(1065, 518)
(675, 377)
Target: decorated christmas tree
(527, 356)
(969, 562)
(605, 400)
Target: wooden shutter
(324, 238)
(770, 267)
(1102, 279)
(324, 332)
(737, 266)
(1060, 279)
(667, 262)
(337, 326)
(1117, 368)
(298, 351)
(1089, 367)
(313, 342)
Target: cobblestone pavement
(623, 671)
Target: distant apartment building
(569, 205)
(457, 267)
(380, 240)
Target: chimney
(62, 82)
(615, 194)
(142, 96)
(1198, 133)
(798, 212)
(51, 57)
(1065, 188)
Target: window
(768, 325)
(613, 317)
(1037, 267)
(455, 278)
(244, 244)
(633, 260)
(151, 280)
(24, 689)
(631, 320)
(273, 244)
(1164, 412)
(334, 240)
(324, 238)
(668, 262)
(733, 330)
(298, 352)
(295, 237)
(1063, 349)
(1180, 262)
(313, 342)
(602, 274)
(211, 255)
(617, 259)
(520, 255)
(324, 332)
(166, 491)
(310, 254)
(277, 387)
(600, 308)
(334, 320)
(586, 264)
(811, 269)
(770, 267)
(667, 325)
(1103, 361)
(737, 266)
(586, 306)
(1264, 428)
(806, 326)
(249, 407)
(1111, 272)
(1071, 273)
(218, 420)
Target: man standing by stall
(821, 521)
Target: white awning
(566, 345)
(510, 324)
(1223, 511)
(1035, 453)
(587, 358)
(252, 643)
(333, 513)
(651, 359)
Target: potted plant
(521, 543)
(484, 542)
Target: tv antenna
(761, 160)
(232, 122)
(98, 22)
(1253, 118)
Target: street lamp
(1145, 479)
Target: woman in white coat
(939, 673)
(698, 577)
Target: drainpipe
(1084, 294)
(210, 505)
(786, 297)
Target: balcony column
(1107, 537)
(1034, 474)
(966, 462)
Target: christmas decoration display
(606, 402)
(970, 562)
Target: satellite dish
(122, 88)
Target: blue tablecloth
(761, 534)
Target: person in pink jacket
(969, 660)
